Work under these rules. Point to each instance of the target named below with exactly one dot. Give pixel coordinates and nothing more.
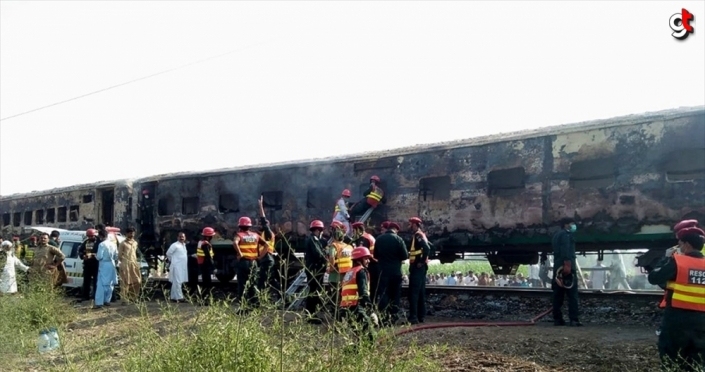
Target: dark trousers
(315, 289)
(361, 322)
(417, 294)
(359, 208)
(558, 297)
(90, 278)
(389, 294)
(204, 289)
(265, 277)
(681, 343)
(246, 283)
(373, 269)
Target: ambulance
(70, 241)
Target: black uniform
(315, 262)
(681, 330)
(360, 312)
(86, 252)
(206, 268)
(564, 250)
(372, 269)
(266, 264)
(390, 251)
(417, 278)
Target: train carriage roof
(633, 119)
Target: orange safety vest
(374, 197)
(200, 254)
(689, 286)
(249, 242)
(349, 296)
(370, 240)
(413, 252)
(343, 257)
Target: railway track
(535, 292)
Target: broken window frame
(166, 205)
(17, 219)
(6, 219)
(496, 188)
(193, 203)
(87, 198)
(74, 210)
(30, 215)
(435, 188)
(687, 158)
(234, 198)
(607, 166)
(61, 215)
(39, 216)
(270, 199)
(50, 215)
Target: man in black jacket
(564, 279)
(390, 252)
(681, 342)
(86, 252)
(315, 262)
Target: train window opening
(73, 213)
(273, 200)
(39, 216)
(685, 165)
(229, 203)
(506, 182)
(28, 218)
(6, 219)
(51, 215)
(17, 219)
(87, 198)
(189, 205)
(434, 188)
(61, 214)
(165, 206)
(593, 173)
(107, 200)
(319, 198)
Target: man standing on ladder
(340, 213)
(374, 195)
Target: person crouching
(355, 297)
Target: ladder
(366, 215)
(297, 292)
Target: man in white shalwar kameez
(178, 267)
(107, 273)
(8, 278)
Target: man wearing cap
(682, 339)
(390, 252)
(54, 238)
(418, 266)
(564, 273)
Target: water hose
(531, 322)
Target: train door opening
(107, 199)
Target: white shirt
(534, 271)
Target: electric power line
(132, 81)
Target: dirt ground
(542, 347)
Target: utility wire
(132, 81)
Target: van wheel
(225, 277)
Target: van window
(70, 249)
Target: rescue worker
(339, 260)
(45, 263)
(86, 252)
(54, 238)
(374, 195)
(675, 250)
(206, 263)
(27, 251)
(564, 277)
(340, 213)
(390, 252)
(247, 246)
(315, 266)
(418, 267)
(355, 297)
(363, 239)
(682, 339)
(266, 263)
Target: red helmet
(346, 193)
(358, 224)
(688, 231)
(15, 238)
(337, 225)
(385, 224)
(316, 224)
(375, 178)
(33, 238)
(208, 231)
(360, 253)
(244, 221)
(683, 224)
(91, 232)
(415, 220)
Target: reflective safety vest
(249, 242)
(349, 296)
(200, 254)
(271, 242)
(689, 286)
(90, 251)
(343, 257)
(337, 208)
(28, 254)
(414, 252)
(375, 196)
(370, 240)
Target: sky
(241, 83)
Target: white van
(70, 242)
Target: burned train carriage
(626, 181)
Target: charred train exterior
(626, 180)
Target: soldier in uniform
(418, 267)
(204, 257)
(86, 252)
(26, 253)
(390, 252)
(364, 239)
(682, 339)
(45, 262)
